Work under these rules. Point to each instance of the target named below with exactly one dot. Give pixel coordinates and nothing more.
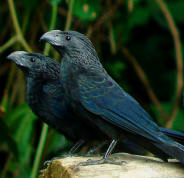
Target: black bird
(99, 100)
(45, 96)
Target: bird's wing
(102, 96)
(55, 100)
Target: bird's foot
(91, 155)
(66, 155)
(101, 161)
(94, 148)
(46, 163)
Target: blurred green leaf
(6, 138)
(57, 142)
(55, 2)
(21, 120)
(123, 32)
(176, 9)
(5, 103)
(166, 107)
(86, 9)
(115, 68)
(14, 115)
(134, 2)
(139, 16)
(23, 134)
(31, 5)
(178, 123)
(157, 14)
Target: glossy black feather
(45, 96)
(93, 93)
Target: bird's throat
(34, 89)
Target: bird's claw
(46, 163)
(101, 161)
(66, 155)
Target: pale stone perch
(135, 167)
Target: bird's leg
(70, 153)
(105, 159)
(76, 146)
(93, 149)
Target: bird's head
(73, 44)
(35, 65)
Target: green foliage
(139, 16)
(21, 120)
(116, 68)
(57, 143)
(166, 108)
(7, 138)
(179, 121)
(55, 2)
(31, 5)
(144, 32)
(86, 10)
(176, 8)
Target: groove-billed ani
(46, 98)
(101, 102)
(45, 95)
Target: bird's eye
(32, 60)
(68, 38)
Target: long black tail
(176, 135)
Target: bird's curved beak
(53, 37)
(18, 57)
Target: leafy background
(138, 41)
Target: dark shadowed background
(140, 43)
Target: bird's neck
(69, 72)
(34, 92)
(74, 66)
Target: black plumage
(45, 96)
(101, 102)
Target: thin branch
(25, 21)
(52, 25)
(89, 31)
(145, 82)
(39, 150)
(130, 5)
(179, 61)
(69, 15)
(9, 43)
(14, 17)
(111, 38)
(25, 44)
(103, 18)
(17, 26)
(40, 15)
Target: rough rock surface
(135, 167)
